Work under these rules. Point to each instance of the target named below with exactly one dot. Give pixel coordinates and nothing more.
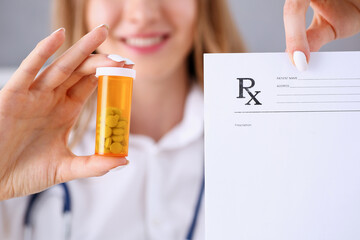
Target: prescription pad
(282, 147)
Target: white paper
(289, 168)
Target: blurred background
(23, 23)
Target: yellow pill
(113, 111)
(112, 120)
(108, 131)
(121, 124)
(123, 142)
(106, 150)
(117, 138)
(116, 148)
(117, 111)
(108, 142)
(118, 131)
(109, 111)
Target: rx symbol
(242, 87)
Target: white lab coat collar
(187, 131)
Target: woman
(155, 196)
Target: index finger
(295, 27)
(61, 69)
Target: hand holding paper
(332, 20)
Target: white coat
(153, 198)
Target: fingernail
(118, 58)
(116, 169)
(300, 61)
(129, 62)
(102, 25)
(60, 29)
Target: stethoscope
(67, 213)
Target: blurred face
(155, 34)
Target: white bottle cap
(115, 71)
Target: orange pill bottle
(113, 111)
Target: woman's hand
(333, 19)
(38, 112)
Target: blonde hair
(215, 32)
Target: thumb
(88, 166)
(295, 31)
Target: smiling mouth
(145, 42)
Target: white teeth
(143, 42)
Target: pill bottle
(113, 110)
